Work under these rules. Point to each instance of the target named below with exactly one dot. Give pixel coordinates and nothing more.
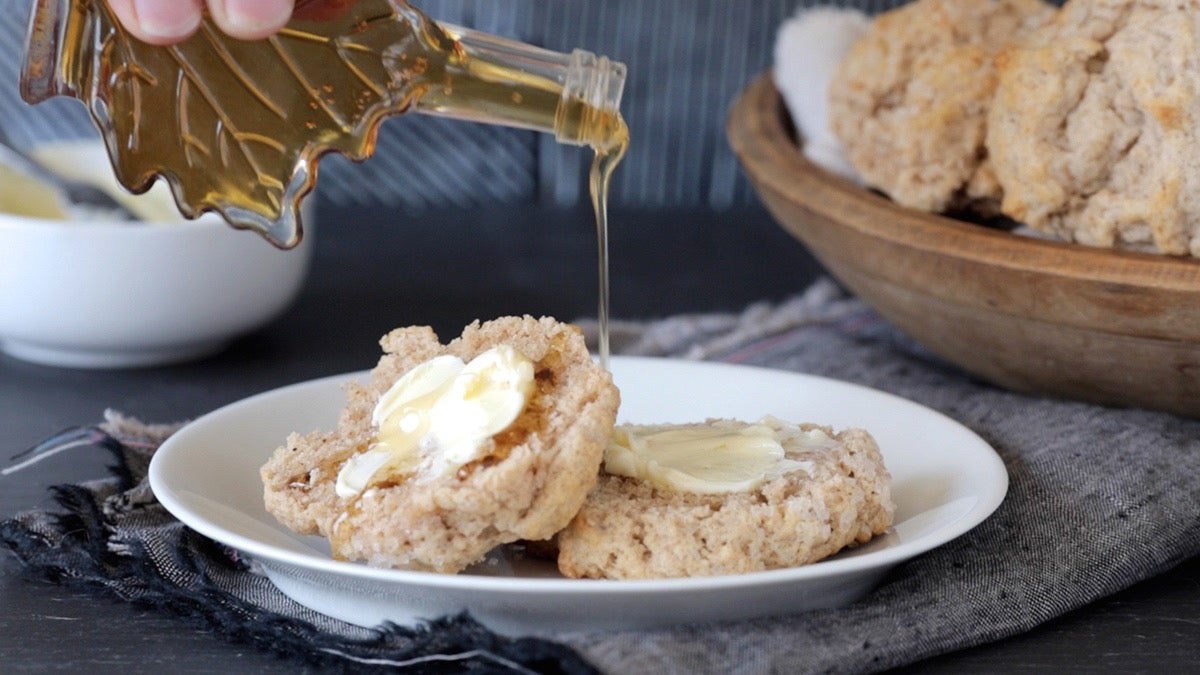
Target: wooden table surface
(375, 271)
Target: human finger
(158, 21)
(250, 19)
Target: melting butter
(439, 416)
(712, 458)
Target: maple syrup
(239, 127)
(599, 183)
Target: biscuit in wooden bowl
(451, 450)
(1094, 127)
(909, 102)
(726, 497)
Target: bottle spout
(576, 96)
(592, 93)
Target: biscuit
(630, 529)
(1093, 130)
(909, 102)
(535, 476)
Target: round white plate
(946, 481)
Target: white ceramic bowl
(116, 295)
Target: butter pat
(356, 473)
(712, 458)
(439, 417)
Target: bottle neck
(494, 80)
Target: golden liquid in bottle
(233, 126)
(239, 127)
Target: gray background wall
(687, 60)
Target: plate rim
(986, 504)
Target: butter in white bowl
(87, 162)
(22, 195)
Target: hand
(164, 22)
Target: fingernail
(254, 17)
(166, 20)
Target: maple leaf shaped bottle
(239, 127)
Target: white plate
(946, 481)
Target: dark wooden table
(374, 271)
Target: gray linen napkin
(1099, 499)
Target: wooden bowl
(1111, 327)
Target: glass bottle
(239, 127)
